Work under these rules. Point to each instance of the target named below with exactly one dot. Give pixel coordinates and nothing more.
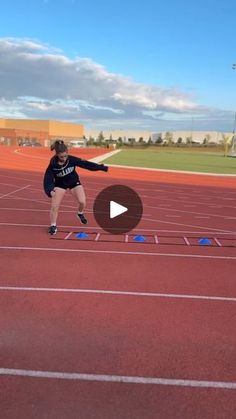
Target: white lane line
(118, 379)
(97, 237)
(217, 242)
(117, 292)
(41, 201)
(47, 210)
(174, 171)
(69, 206)
(68, 235)
(208, 231)
(160, 205)
(184, 211)
(23, 178)
(182, 224)
(17, 151)
(194, 203)
(116, 252)
(36, 210)
(104, 156)
(186, 241)
(17, 190)
(8, 184)
(173, 216)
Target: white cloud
(38, 81)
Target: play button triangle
(116, 209)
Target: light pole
(191, 137)
(234, 68)
(234, 123)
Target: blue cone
(139, 238)
(204, 242)
(81, 235)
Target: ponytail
(59, 146)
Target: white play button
(116, 209)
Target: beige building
(42, 131)
(115, 134)
(16, 131)
(126, 135)
(198, 136)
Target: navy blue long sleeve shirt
(66, 175)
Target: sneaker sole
(52, 234)
(81, 222)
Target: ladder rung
(68, 235)
(186, 241)
(217, 242)
(97, 237)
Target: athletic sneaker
(52, 230)
(82, 218)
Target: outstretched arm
(89, 165)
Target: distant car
(77, 143)
(30, 144)
(26, 144)
(36, 145)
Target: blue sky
(125, 64)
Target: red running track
(161, 317)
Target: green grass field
(187, 160)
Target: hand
(53, 193)
(104, 168)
